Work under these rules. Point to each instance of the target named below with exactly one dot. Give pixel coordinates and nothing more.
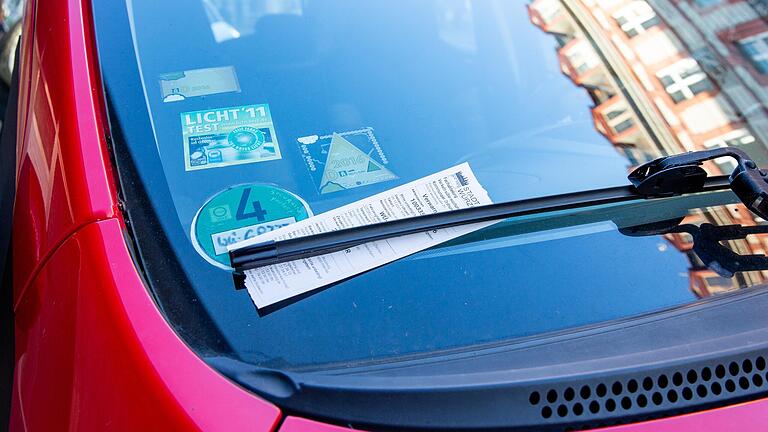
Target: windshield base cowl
(657, 365)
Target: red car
(151, 136)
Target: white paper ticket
(451, 189)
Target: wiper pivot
(681, 174)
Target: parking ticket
(451, 189)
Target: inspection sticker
(228, 136)
(240, 213)
(451, 189)
(345, 160)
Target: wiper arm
(663, 177)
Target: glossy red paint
(748, 417)
(297, 424)
(64, 179)
(745, 417)
(93, 352)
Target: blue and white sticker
(178, 86)
(228, 136)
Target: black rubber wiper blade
(664, 177)
(275, 252)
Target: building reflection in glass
(670, 76)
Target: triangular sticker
(347, 166)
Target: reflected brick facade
(669, 76)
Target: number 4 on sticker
(242, 208)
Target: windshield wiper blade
(663, 177)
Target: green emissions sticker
(242, 212)
(228, 136)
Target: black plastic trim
(7, 199)
(438, 393)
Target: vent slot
(647, 394)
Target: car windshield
(256, 114)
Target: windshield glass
(257, 114)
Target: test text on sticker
(208, 121)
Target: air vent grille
(650, 393)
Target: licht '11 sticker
(228, 136)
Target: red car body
(93, 352)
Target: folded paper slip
(451, 189)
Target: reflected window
(735, 138)
(755, 48)
(582, 57)
(636, 18)
(684, 80)
(619, 118)
(562, 39)
(719, 282)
